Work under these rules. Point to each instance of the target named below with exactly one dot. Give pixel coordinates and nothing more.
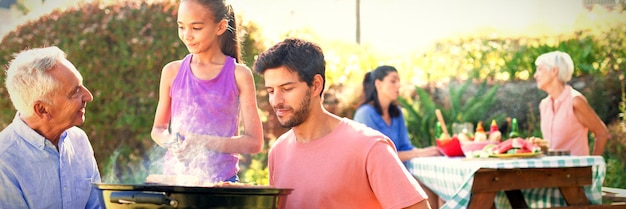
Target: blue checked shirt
(33, 174)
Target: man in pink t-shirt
(328, 161)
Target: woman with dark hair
(379, 110)
(202, 96)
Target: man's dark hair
(297, 55)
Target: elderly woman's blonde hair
(561, 60)
(28, 79)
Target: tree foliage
(120, 49)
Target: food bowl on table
(450, 147)
(473, 149)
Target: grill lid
(226, 189)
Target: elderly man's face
(70, 98)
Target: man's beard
(300, 115)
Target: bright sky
(400, 25)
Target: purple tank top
(208, 107)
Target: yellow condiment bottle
(480, 135)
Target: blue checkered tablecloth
(452, 178)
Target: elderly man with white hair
(566, 116)
(45, 160)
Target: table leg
(516, 198)
(574, 195)
(482, 200)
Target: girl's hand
(174, 144)
(171, 141)
(189, 147)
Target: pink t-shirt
(352, 167)
(559, 125)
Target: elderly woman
(566, 117)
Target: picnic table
(539, 182)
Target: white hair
(561, 60)
(28, 79)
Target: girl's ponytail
(229, 40)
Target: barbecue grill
(147, 196)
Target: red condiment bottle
(494, 133)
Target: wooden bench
(613, 195)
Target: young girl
(202, 96)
